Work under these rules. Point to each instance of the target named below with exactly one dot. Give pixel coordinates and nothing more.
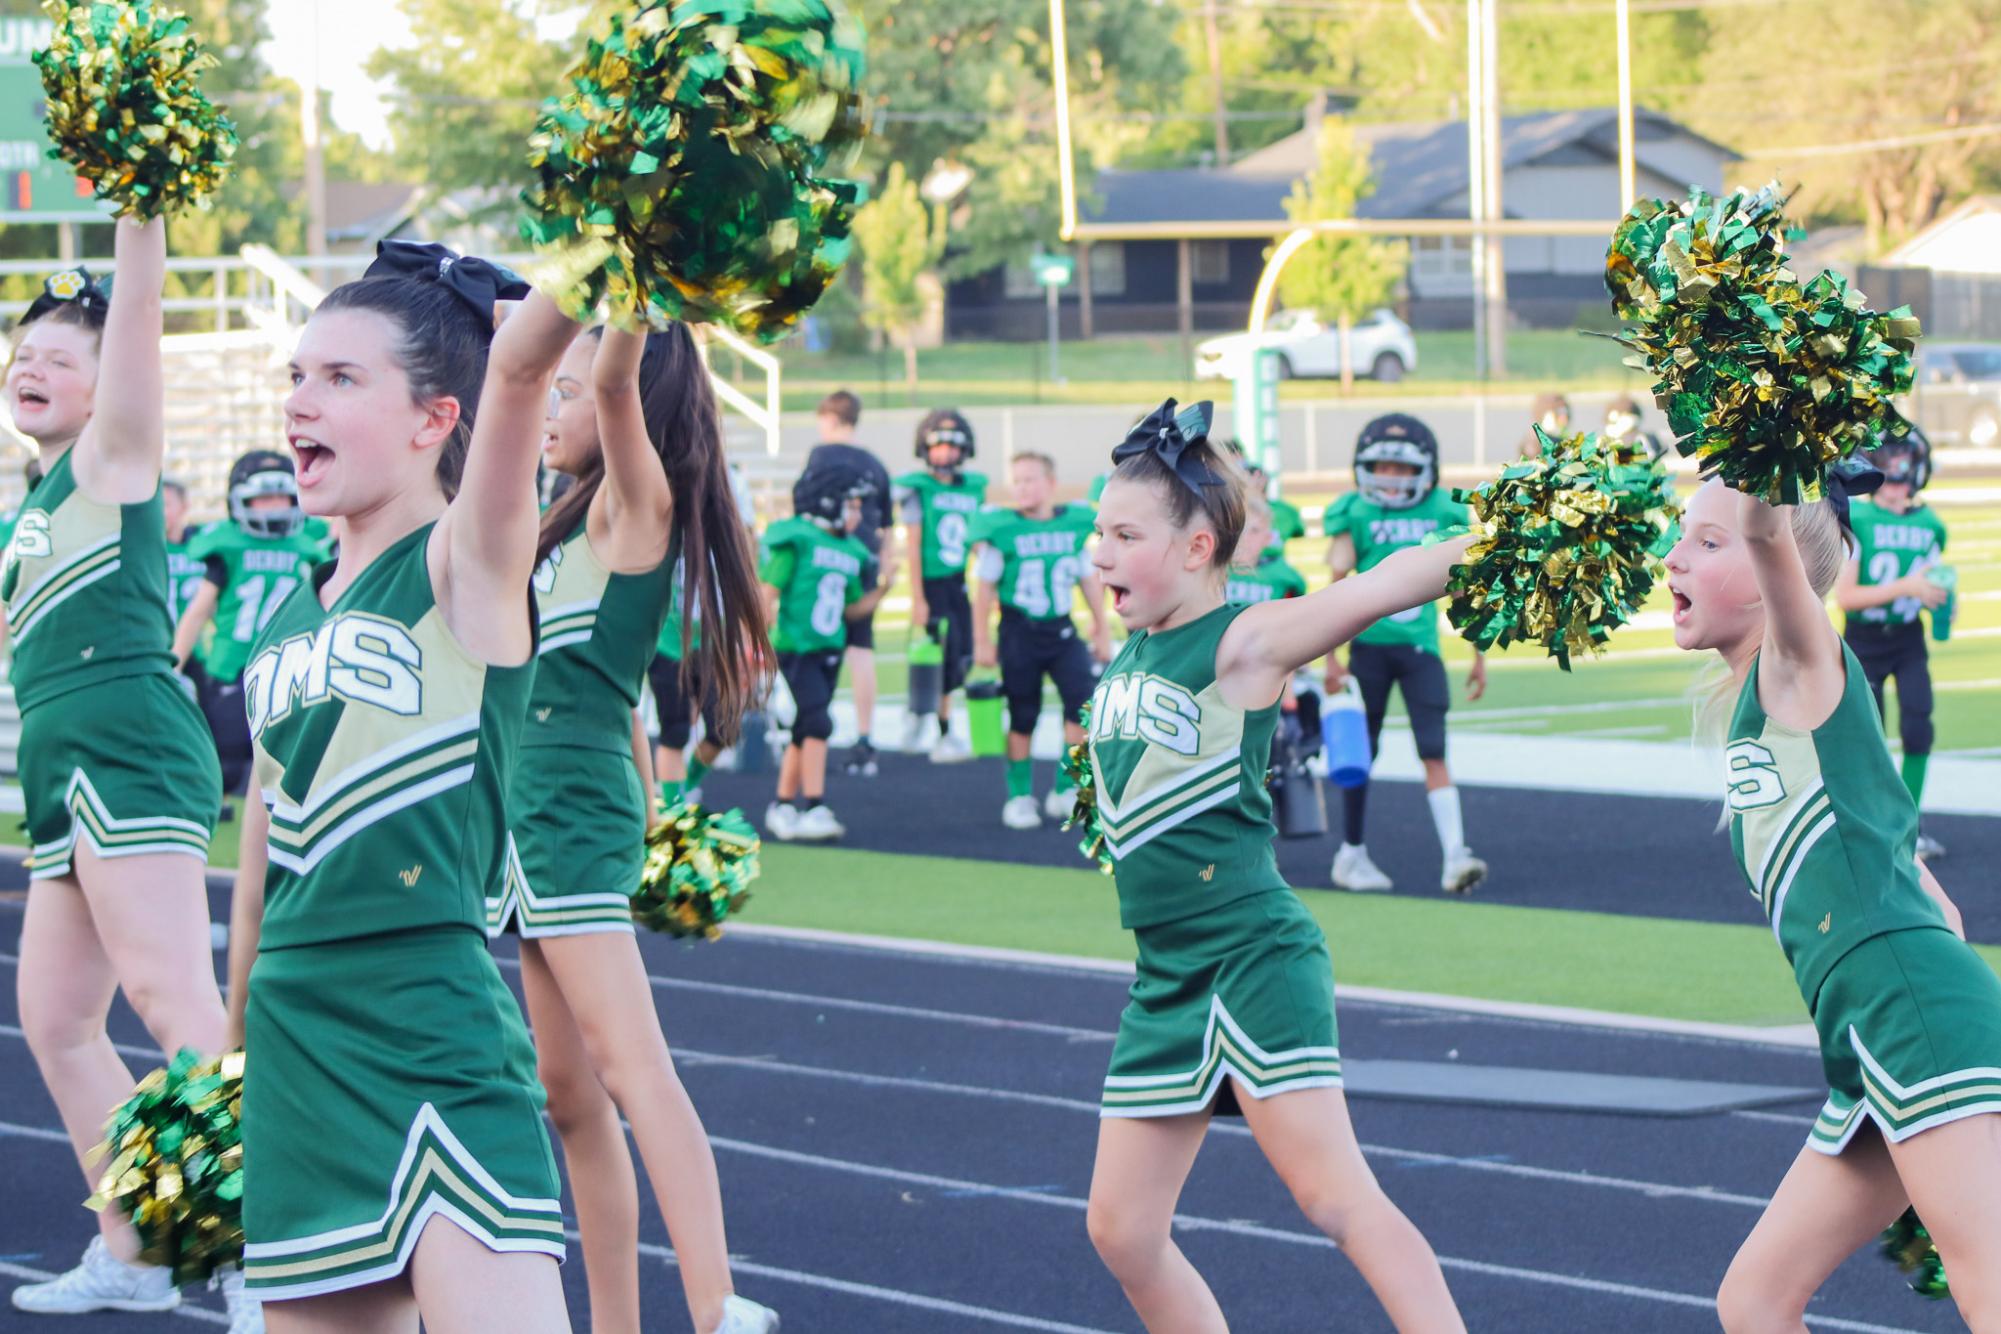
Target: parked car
(1381, 345)
(1956, 393)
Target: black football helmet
(265, 472)
(944, 426)
(1396, 438)
(822, 494)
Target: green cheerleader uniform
(1909, 1016)
(112, 749)
(576, 813)
(1233, 974)
(388, 1078)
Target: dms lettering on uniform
(1754, 777)
(358, 657)
(1131, 706)
(545, 573)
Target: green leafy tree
(1339, 278)
(968, 81)
(900, 244)
(464, 99)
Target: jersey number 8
(829, 602)
(1754, 778)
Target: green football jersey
(818, 575)
(259, 573)
(1379, 533)
(669, 645)
(1890, 547)
(185, 573)
(1823, 828)
(598, 630)
(1181, 777)
(1269, 579)
(384, 751)
(1037, 563)
(1286, 523)
(945, 510)
(86, 589)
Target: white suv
(1381, 344)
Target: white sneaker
(1462, 871)
(950, 750)
(781, 821)
(693, 796)
(818, 826)
(1353, 871)
(246, 1313)
(742, 1316)
(1058, 804)
(1021, 813)
(100, 1282)
(914, 725)
(1929, 848)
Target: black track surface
(896, 1131)
(1647, 856)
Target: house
(1949, 273)
(1555, 165)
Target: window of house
(1209, 262)
(1441, 263)
(1108, 268)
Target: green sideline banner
(36, 188)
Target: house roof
(1420, 168)
(1945, 222)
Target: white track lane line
(1186, 1222)
(894, 1296)
(184, 1310)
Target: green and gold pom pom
(1908, 1244)
(1084, 812)
(1766, 381)
(690, 172)
(699, 865)
(173, 1155)
(1566, 546)
(126, 109)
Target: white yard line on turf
(184, 1310)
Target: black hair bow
(478, 282)
(1167, 433)
(1850, 477)
(78, 285)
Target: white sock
(1445, 818)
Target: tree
(899, 245)
(968, 81)
(1339, 278)
(465, 98)
(1845, 80)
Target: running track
(905, 1143)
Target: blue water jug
(1344, 729)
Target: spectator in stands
(1552, 413)
(840, 413)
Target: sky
(348, 32)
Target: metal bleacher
(232, 324)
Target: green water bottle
(986, 716)
(1947, 578)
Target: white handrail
(768, 415)
(283, 276)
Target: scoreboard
(33, 186)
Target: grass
(1130, 368)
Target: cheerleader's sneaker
(100, 1282)
(246, 1313)
(1354, 872)
(1059, 803)
(1929, 848)
(951, 750)
(1462, 871)
(781, 821)
(742, 1316)
(1020, 813)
